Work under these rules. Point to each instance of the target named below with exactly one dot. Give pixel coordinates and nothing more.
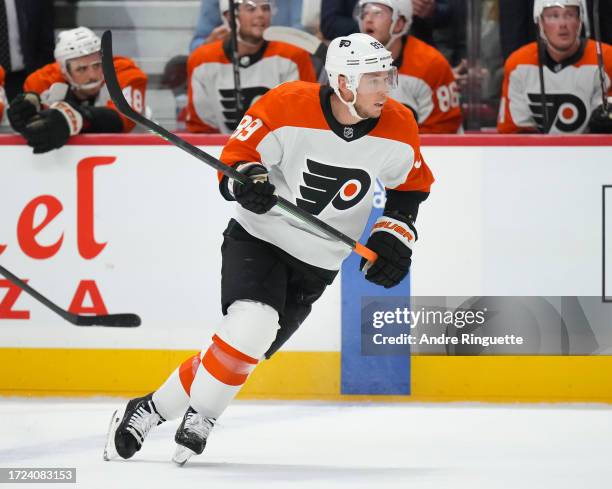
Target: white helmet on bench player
(353, 56)
(399, 8)
(224, 4)
(540, 5)
(73, 44)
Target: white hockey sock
(221, 374)
(172, 398)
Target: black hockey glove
(51, 128)
(392, 238)
(601, 120)
(23, 107)
(258, 194)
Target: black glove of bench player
(258, 194)
(51, 128)
(392, 238)
(23, 107)
(601, 120)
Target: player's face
(255, 17)
(87, 70)
(373, 91)
(561, 26)
(376, 20)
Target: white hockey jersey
(211, 103)
(572, 90)
(323, 167)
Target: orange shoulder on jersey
(133, 82)
(43, 78)
(1, 85)
(397, 122)
(206, 53)
(526, 55)
(428, 64)
(300, 57)
(271, 112)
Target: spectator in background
(2, 94)
(26, 39)
(516, 27)
(68, 97)
(211, 91)
(426, 83)
(212, 27)
(338, 18)
(571, 92)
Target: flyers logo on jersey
(326, 184)
(566, 112)
(228, 102)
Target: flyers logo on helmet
(343, 188)
(566, 112)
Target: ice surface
(323, 445)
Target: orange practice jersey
(572, 90)
(3, 101)
(325, 168)
(50, 84)
(210, 77)
(427, 86)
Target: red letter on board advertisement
(88, 247)
(88, 287)
(6, 306)
(26, 231)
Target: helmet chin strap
(392, 37)
(350, 105)
(83, 86)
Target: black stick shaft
(600, 62)
(235, 60)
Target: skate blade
(181, 455)
(110, 452)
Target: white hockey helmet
(224, 4)
(353, 56)
(399, 8)
(540, 5)
(74, 44)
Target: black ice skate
(128, 429)
(191, 435)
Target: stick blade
(128, 320)
(296, 37)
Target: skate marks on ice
(307, 445)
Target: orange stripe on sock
(226, 364)
(187, 372)
(230, 350)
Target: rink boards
(128, 224)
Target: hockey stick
(543, 102)
(111, 320)
(118, 99)
(235, 61)
(600, 63)
(298, 38)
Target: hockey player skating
(565, 79)
(426, 83)
(69, 97)
(323, 150)
(263, 65)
